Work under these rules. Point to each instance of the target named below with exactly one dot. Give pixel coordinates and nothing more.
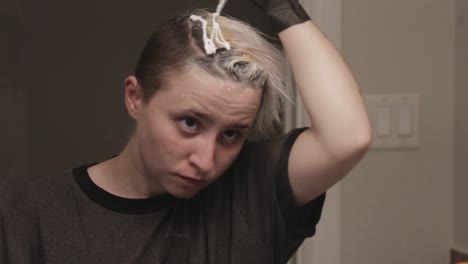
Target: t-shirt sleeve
(265, 196)
(302, 220)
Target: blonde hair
(251, 60)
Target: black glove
(283, 13)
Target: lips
(191, 182)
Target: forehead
(194, 89)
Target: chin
(182, 193)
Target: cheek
(161, 142)
(172, 149)
(227, 157)
(169, 144)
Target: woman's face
(192, 129)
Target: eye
(231, 135)
(189, 124)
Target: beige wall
(461, 127)
(398, 204)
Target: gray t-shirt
(246, 216)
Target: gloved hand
(283, 13)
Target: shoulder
(266, 157)
(263, 195)
(272, 147)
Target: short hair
(252, 60)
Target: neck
(124, 175)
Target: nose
(203, 155)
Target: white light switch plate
(394, 119)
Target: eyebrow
(210, 119)
(203, 116)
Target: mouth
(191, 182)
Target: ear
(133, 96)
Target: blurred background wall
(461, 127)
(398, 205)
(407, 205)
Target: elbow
(365, 140)
(356, 146)
(365, 147)
(351, 145)
(356, 142)
(362, 143)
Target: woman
(188, 187)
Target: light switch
(384, 121)
(405, 121)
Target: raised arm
(340, 132)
